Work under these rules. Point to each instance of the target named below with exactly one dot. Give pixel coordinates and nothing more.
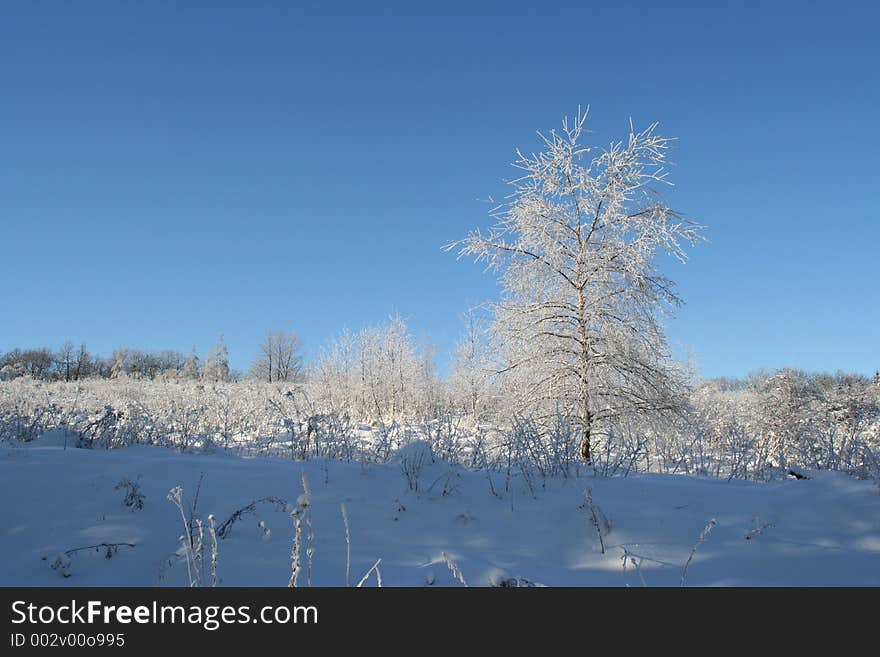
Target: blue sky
(173, 171)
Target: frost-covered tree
(786, 402)
(217, 363)
(379, 374)
(471, 367)
(143, 364)
(427, 397)
(118, 364)
(65, 361)
(83, 367)
(576, 242)
(192, 366)
(334, 374)
(279, 358)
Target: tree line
(279, 359)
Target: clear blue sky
(170, 171)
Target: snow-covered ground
(819, 531)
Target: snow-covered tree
(279, 358)
(9, 371)
(576, 244)
(192, 367)
(217, 363)
(379, 374)
(334, 375)
(83, 365)
(65, 362)
(471, 368)
(118, 367)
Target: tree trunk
(585, 437)
(585, 374)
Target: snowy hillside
(411, 512)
